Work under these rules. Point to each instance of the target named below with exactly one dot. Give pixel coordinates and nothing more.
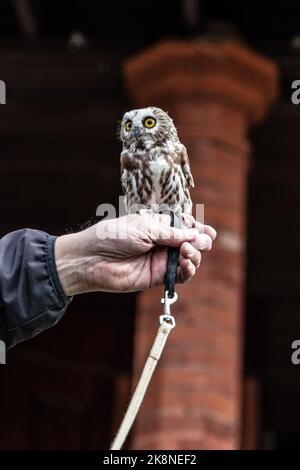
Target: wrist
(72, 265)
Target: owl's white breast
(157, 166)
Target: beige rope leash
(167, 323)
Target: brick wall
(214, 92)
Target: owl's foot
(154, 209)
(146, 211)
(188, 221)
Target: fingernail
(206, 243)
(214, 234)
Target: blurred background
(224, 71)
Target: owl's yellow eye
(128, 125)
(149, 122)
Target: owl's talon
(188, 220)
(145, 211)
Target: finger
(190, 222)
(210, 231)
(163, 218)
(202, 242)
(188, 251)
(162, 233)
(169, 236)
(186, 270)
(207, 229)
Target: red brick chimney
(214, 92)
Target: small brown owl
(155, 168)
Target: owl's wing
(185, 165)
(123, 178)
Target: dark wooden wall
(59, 159)
(273, 294)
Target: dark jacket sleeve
(31, 296)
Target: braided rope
(139, 393)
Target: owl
(155, 169)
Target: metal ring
(167, 318)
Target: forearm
(31, 296)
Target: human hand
(128, 253)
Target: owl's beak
(136, 132)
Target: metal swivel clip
(167, 315)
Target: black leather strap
(173, 258)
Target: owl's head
(147, 127)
